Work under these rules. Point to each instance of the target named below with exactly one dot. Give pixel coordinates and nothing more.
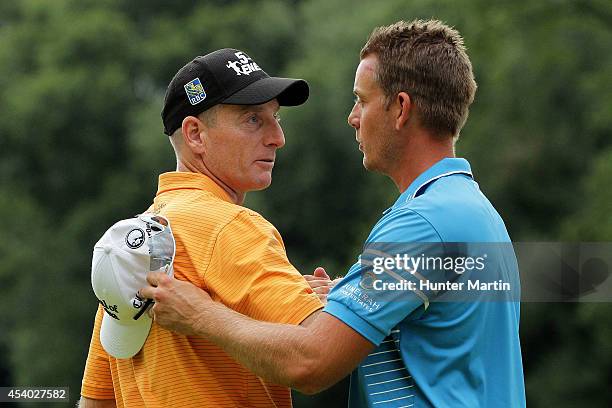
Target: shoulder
(249, 226)
(199, 210)
(459, 211)
(404, 225)
(252, 220)
(446, 196)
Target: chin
(368, 164)
(372, 166)
(262, 183)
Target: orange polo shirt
(239, 258)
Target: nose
(276, 137)
(353, 117)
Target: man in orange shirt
(221, 113)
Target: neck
(422, 152)
(235, 196)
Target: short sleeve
(97, 379)
(250, 273)
(374, 297)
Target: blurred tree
(539, 114)
(592, 220)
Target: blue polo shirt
(439, 347)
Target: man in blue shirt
(429, 315)
(460, 352)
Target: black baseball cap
(225, 76)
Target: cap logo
(109, 309)
(195, 91)
(138, 301)
(243, 66)
(135, 238)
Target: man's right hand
(321, 283)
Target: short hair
(427, 60)
(209, 116)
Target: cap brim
(287, 91)
(124, 340)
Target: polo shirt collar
(444, 167)
(179, 180)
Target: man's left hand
(178, 304)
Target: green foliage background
(81, 144)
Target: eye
(253, 119)
(277, 116)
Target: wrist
(204, 321)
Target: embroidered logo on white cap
(121, 260)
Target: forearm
(85, 402)
(281, 353)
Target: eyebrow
(244, 108)
(253, 108)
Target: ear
(194, 131)
(403, 104)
